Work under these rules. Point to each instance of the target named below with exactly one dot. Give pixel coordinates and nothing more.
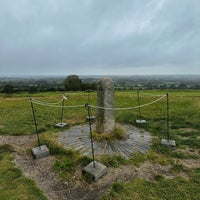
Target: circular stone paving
(78, 138)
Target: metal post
(167, 116)
(88, 96)
(62, 111)
(139, 111)
(35, 122)
(91, 138)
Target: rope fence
(55, 105)
(128, 108)
(88, 106)
(42, 102)
(148, 94)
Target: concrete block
(91, 117)
(60, 125)
(169, 143)
(140, 121)
(96, 172)
(39, 152)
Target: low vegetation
(178, 188)
(67, 161)
(13, 185)
(118, 134)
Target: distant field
(16, 115)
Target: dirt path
(41, 171)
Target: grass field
(184, 123)
(16, 115)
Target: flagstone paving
(78, 138)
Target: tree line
(70, 83)
(75, 83)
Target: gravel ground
(41, 171)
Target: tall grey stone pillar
(105, 119)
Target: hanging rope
(42, 102)
(154, 95)
(129, 108)
(92, 106)
(56, 106)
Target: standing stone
(105, 120)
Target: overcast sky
(92, 37)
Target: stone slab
(105, 118)
(169, 143)
(40, 152)
(96, 172)
(78, 138)
(140, 121)
(61, 125)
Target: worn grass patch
(67, 161)
(13, 185)
(164, 150)
(139, 189)
(139, 158)
(113, 161)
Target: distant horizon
(92, 75)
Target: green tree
(89, 86)
(8, 89)
(73, 83)
(32, 89)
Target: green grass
(164, 150)
(16, 119)
(139, 158)
(113, 161)
(177, 188)
(13, 185)
(16, 109)
(16, 115)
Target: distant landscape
(132, 82)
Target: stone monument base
(96, 172)
(40, 152)
(169, 143)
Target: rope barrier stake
(91, 138)
(167, 116)
(36, 128)
(170, 143)
(88, 95)
(139, 110)
(62, 111)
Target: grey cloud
(89, 37)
